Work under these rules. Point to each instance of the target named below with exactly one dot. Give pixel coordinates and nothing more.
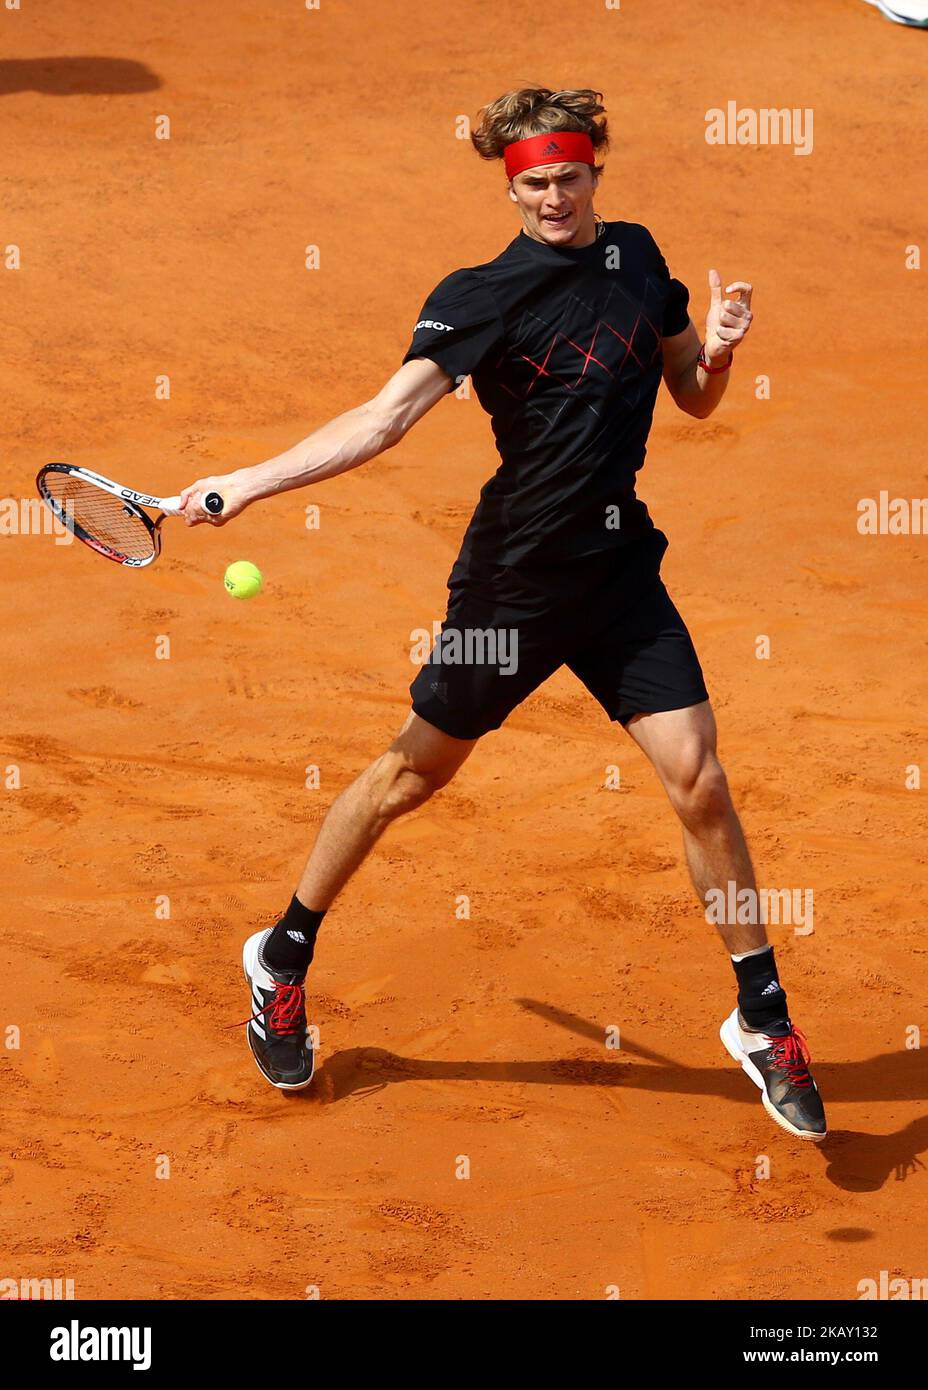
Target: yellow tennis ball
(243, 579)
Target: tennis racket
(108, 517)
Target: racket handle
(213, 503)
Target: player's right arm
(345, 442)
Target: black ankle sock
(761, 997)
(291, 944)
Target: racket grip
(213, 503)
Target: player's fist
(728, 319)
(230, 488)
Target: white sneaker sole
(249, 964)
(731, 1040)
(912, 13)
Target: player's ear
(512, 194)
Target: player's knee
(699, 787)
(403, 788)
(408, 791)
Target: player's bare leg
(419, 761)
(682, 746)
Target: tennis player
(565, 335)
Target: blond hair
(539, 111)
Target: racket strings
(104, 519)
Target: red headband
(556, 148)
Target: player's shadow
(79, 76)
(854, 1161)
(861, 1162)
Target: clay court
(143, 779)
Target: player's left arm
(695, 390)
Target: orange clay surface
(141, 777)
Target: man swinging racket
(566, 335)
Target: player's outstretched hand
(728, 320)
(230, 488)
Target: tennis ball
(243, 579)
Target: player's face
(556, 203)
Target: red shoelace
(286, 1011)
(791, 1052)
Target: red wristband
(713, 371)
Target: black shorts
(607, 617)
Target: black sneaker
(277, 1031)
(779, 1067)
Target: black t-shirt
(564, 350)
